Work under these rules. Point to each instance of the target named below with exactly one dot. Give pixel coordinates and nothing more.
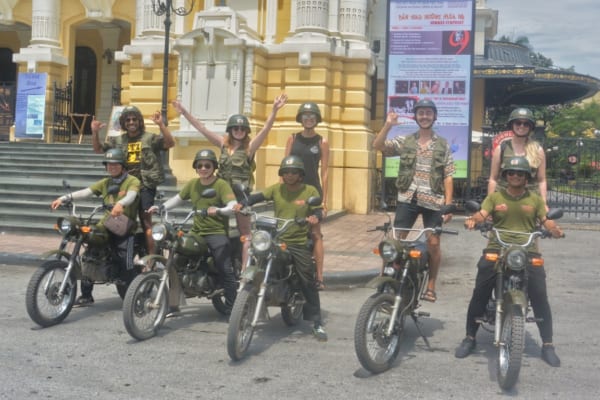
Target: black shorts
(147, 196)
(407, 213)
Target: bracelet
(482, 216)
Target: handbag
(120, 225)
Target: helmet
(238, 120)
(291, 162)
(206, 154)
(114, 156)
(128, 111)
(425, 104)
(308, 107)
(516, 164)
(521, 113)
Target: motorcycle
(189, 269)
(269, 280)
(509, 308)
(399, 288)
(52, 289)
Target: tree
(576, 121)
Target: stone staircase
(32, 174)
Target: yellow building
(225, 57)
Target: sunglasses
(520, 174)
(131, 119)
(238, 128)
(309, 116)
(291, 172)
(522, 123)
(204, 166)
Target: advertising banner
(30, 106)
(430, 56)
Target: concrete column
(353, 19)
(312, 16)
(271, 25)
(45, 23)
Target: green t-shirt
(192, 191)
(514, 214)
(290, 205)
(100, 188)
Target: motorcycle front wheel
(45, 306)
(141, 317)
(376, 350)
(291, 313)
(240, 330)
(510, 348)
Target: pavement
(349, 257)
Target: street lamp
(166, 8)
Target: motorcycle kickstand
(417, 324)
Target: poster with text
(430, 56)
(30, 106)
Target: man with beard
(142, 149)
(424, 180)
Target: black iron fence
(61, 123)
(7, 108)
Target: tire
(510, 350)
(48, 308)
(375, 351)
(141, 320)
(240, 330)
(291, 313)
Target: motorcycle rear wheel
(240, 330)
(44, 305)
(510, 349)
(141, 319)
(291, 313)
(375, 350)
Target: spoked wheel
(375, 349)
(240, 331)
(291, 313)
(45, 305)
(510, 349)
(141, 316)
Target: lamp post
(166, 8)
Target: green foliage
(576, 121)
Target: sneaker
(84, 301)
(173, 312)
(465, 348)
(319, 332)
(549, 355)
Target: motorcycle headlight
(64, 225)
(516, 259)
(261, 241)
(159, 232)
(388, 250)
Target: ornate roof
(512, 79)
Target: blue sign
(30, 107)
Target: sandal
(429, 295)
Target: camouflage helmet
(516, 164)
(309, 107)
(291, 162)
(238, 120)
(425, 104)
(114, 156)
(521, 113)
(129, 110)
(206, 154)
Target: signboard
(430, 56)
(114, 126)
(30, 105)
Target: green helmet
(521, 113)
(238, 120)
(206, 154)
(131, 110)
(291, 162)
(516, 164)
(308, 107)
(114, 156)
(425, 104)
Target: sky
(565, 31)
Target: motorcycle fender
(58, 253)
(380, 281)
(153, 258)
(516, 298)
